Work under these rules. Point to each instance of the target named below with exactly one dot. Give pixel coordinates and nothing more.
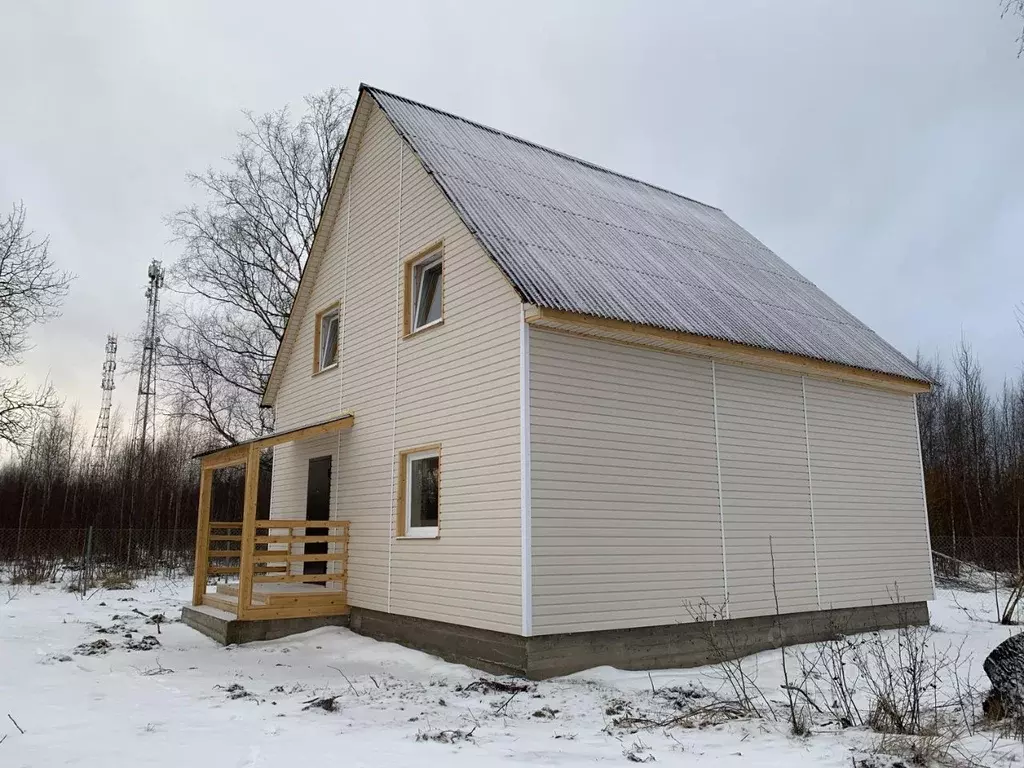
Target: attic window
(424, 286)
(325, 343)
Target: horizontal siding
(624, 499)
(626, 524)
(868, 501)
(456, 384)
(765, 491)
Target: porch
(271, 569)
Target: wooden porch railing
(269, 582)
(277, 548)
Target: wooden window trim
(408, 296)
(318, 322)
(400, 523)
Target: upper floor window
(424, 286)
(325, 343)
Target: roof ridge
(565, 155)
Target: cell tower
(101, 437)
(144, 428)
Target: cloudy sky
(876, 146)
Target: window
(420, 485)
(424, 287)
(325, 342)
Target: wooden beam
(288, 539)
(298, 611)
(300, 577)
(306, 433)
(248, 546)
(229, 457)
(285, 523)
(202, 537)
(660, 338)
(283, 557)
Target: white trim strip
(721, 501)
(525, 485)
(924, 493)
(397, 330)
(810, 489)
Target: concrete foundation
(228, 630)
(661, 647)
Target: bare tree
(31, 291)
(244, 252)
(1015, 8)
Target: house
(538, 416)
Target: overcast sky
(875, 146)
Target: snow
(189, 701)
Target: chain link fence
(94, 555)
(1004, 554)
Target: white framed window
(425, 285)
(420, 484)
(325, 354)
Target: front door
(318, 507)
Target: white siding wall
(765, 491)
(456, 384)
(624, 485)
(627, 529)
(868, 501)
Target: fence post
(86, 581)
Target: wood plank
(305, 578)
(296, 612)
(642, 335)
(202, 537)
(301, 523)
(220, 570)
(213, 553)
(330, 597)
(245, 575)
(225, 525)
(284, 557)
(221, 602)
(222, 537)
(286, 539)
(306, 433)
(231, 456)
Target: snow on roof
(572, 236)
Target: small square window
(426, 288)
(421, 484)
(326, 341)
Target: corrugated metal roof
(572, 236)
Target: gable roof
(573, 236)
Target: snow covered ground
(184, 700)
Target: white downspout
(524, 472)
(721, 501)
(394, 395)
(810, 489)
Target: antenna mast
(144, 428)
(101, 437)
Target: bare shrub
(736, 673)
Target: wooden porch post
(252, 478)
(202, 536)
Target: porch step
(222, 602)
(283, 594)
